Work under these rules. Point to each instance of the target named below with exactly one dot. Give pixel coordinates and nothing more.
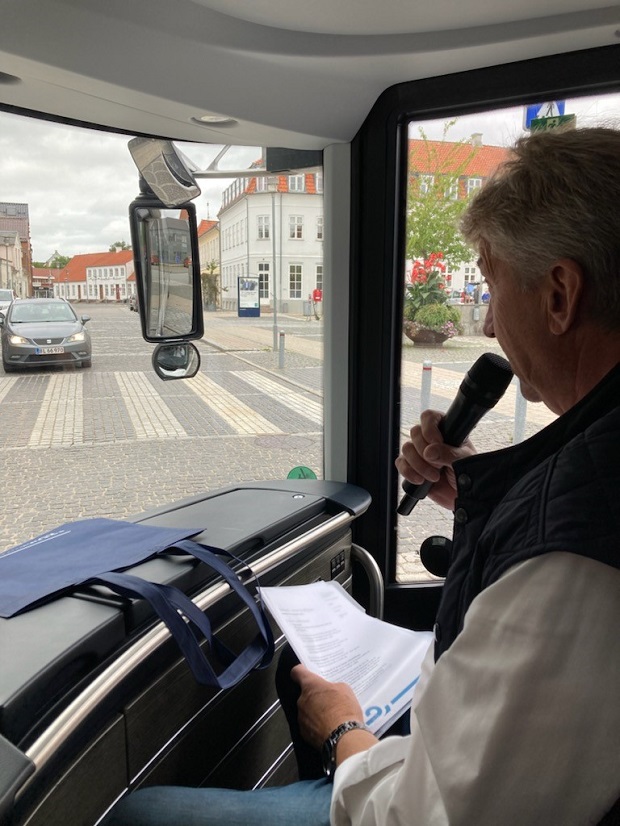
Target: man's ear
(565, 294)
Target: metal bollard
(425, 391)
(520, 416)
(281, 351)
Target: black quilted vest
(557, 491)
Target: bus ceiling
(273, 74)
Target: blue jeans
(305, 803)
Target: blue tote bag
(98, 551)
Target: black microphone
(483, 386)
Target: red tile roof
(432, 157)
(77, 266)
(205, 225)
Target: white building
(12, 275)
(272, 228)
(97, 276)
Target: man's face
(517, 319)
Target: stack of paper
(332, 636)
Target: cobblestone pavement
(115, 440)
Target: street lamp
(272, 186)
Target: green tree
(210, 285)
(434, 199)
(56, 262)
(119, 245)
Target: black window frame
(378, 199)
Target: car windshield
(6, 295)
(25, 312)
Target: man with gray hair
(516, 718)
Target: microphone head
(487, 380)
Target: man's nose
(487, 327)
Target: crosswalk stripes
(5, 386)
(243, 420)
(150, 415)
(286, 396)
(60, 421)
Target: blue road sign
(542, 110)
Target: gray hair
(558, 196)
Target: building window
(261, 184)
(296, 183)
(452, 192)
(319, 181)
(426, 184)
(294, 280)
(263, 280)
(319, 228)
(296, 227)
(319, 277)
(473, 184)
(264, 226)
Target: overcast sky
(78, 183)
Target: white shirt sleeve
(518, 722)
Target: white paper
(332, 636)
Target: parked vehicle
(44, 331)
(6, 296)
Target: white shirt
(518, 723)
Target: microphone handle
(484, 384)
(455, 427)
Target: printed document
(333, 636)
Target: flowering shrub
(436, 317)
(427, 285)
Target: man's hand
(323, 706)
(427, 458)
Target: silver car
(43, 331)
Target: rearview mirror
(167, 269)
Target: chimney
(476, 139)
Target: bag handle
(182, 617)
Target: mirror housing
(165, 169)
(176, 361)
(167, 269)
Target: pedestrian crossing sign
(551, 109)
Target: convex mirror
(167, 268)
(176, 361)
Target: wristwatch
(328, 752)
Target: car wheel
(8, 368)
(87, 363)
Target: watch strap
(329, 746)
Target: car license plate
(49, 351)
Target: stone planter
(423, 337)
